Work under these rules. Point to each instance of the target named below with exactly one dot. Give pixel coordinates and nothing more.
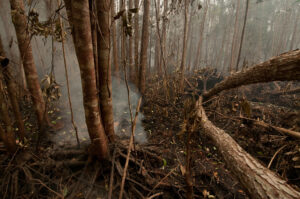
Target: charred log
(259, 181)
(285, 67)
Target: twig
(111, 180)
(271, 161)
(155, 195)
(162, 180)
(58, 194)
(129, 147)
(67, 79)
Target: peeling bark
(80, 20)
(257, 179)
(19, 20)
(285, 67)
(105, 87)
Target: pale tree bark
(284, 67)
(258, 180)
(114, 42)
(12, 92)
(136, 41)
(105, 87)
(234, 37)
(6, 134)
(164, 34)
(144, 47)
(20, 22)
(184, 43)
(200, 42)
(80, 20)
(242, 37)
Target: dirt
(158, 167)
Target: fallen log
(285, 67)
(289, 92)
(284, 131)
(256, 178)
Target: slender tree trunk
(122, 34)
(260, 182)
(12, 92)
(242, 37)
(233, 46)
(105, 86)
(114, 42)
(200, 43)
(93, 16)
(144, 47)
(157, 42)
(164, 33)
(20, 23)
(284, 67)
(293, 40)
(136, 41)
(80, 20)
(130, 50)
(184, 43)
(7, 134)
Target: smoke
(48, 55)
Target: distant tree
(184, 42)
(144, 47)
(136, 41)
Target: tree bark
(130, 49)
(20, 22)
(80, 19)
(157, 42)
(144, 47)
(6, 135)
(136, 41)
(12, 93)
(114, 42)
(285, 67)
(199, 48)
(105, 87)
(242, 37)
(233, 46)
(184, 43)
(257, 179)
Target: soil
(157, 168)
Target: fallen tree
(256, 178)
(285, 67)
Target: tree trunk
(257, 179)
(233, 46)
(184, 43)
(242, 37)
(157, 40)
(105, 87)
(12, 92)
(114, 42)
(284, 67)
(164, 35)
(7, 134)
(199, 48)
(136, 41)
(20, 22)
(144, 47)
(80, 19)
(130, 50)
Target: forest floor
(157, 168)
